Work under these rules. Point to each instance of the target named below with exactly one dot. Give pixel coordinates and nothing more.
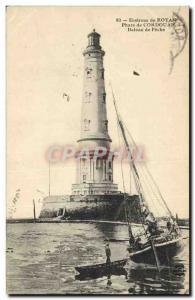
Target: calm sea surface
(41, 259)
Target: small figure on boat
(172, 228)
(108, 253)
(138, 244)
(153, 229)
(169, 226)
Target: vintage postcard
(97, 150)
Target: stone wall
(100, 207)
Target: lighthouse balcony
(94, 188)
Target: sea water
(41, 259)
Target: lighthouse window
(88, 72)
(109, 164)
(90, 41)
(84, 178)
(110, 178)
(84, 161)
(86, 124)
(98, 163)
(106, 125)
(102, 73)
(104, 97)
(87, 97)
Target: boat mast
(34, 211)
(49, 179)
(135, 172)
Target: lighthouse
(94, 171)
(94, 194)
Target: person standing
(108, 253)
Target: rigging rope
(121, 164)
(151, 177)
(150, 191)
(123, 180)
(149, 185)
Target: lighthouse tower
(94, 175)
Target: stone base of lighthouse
(110, 207)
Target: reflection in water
(147, 279)
(109, 230)
(109, 282)
(108, 273)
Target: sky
(44, 61)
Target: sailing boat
(157, 243)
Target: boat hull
(165, 253)
(101, 269)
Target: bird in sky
(66, 96)
(136, 73)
